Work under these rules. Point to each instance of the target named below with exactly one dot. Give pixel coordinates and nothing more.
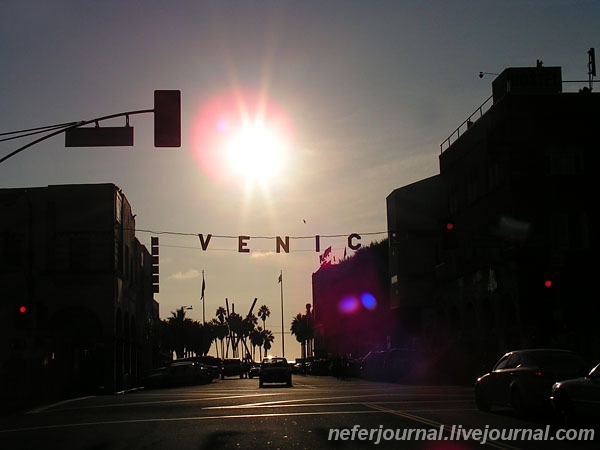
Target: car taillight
(538, 373)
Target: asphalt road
(236, 414)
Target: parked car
(188, 372)
(578, 398)
(399, 364)
(372, 365)
(232, 367)
(275, 370)
(179, 373)
(210, 363)
(523, 379)
(254, 370)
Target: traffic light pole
(167, 127)
(70, 127)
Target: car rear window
(277, 362)
(558, 361)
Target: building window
(453, 199)
(118, 207)
(493, 175)
(566, 163)
(571, 230)
(472, 187)
(79, 253)
(10, 250)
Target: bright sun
(256, 153)
(244, 137)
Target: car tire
(564, 407)
(260, 384)
(517, 402)
(483, 404)
(289, 383)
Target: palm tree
(199, 338)
(180, 330)
(268, 339)
(257, 340)
(234, 322)
(220, 332)
(248, 326)
(263, 313)
(221, 313)
(302, 328)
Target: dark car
(254, 370)
(275, 370)
(179, 373)
(579, 398)
(523, 379)
(372, 365)
(232, 367)
(210, 363)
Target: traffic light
(154, 253)
(167, 118)
(449, 240)
(23, 317)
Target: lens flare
(368, 300)
(348, 305)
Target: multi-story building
(515, 246)
(414, 221)
(77, 307)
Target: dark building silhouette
(351, 304)
(70, 259)
(414, 220)
(497, 251)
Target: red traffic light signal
(23, 318)
(449, 240)
(548, 283)
(167, 118)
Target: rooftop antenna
(591, 66)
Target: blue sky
(368, 90)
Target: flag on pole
(203, 286)
(279, 279)
(325, 258)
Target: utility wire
(32, 131)
(177, 233)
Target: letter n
(280, 244)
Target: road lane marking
(296, 403)
(45, 407)
(153, 402)
(434, 424)
(182, 419)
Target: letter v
(204, 243)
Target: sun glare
(243, 137)
(256, 153)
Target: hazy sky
(363, 92)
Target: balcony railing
(466, 124)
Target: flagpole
(282, 331)
(203, 302)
